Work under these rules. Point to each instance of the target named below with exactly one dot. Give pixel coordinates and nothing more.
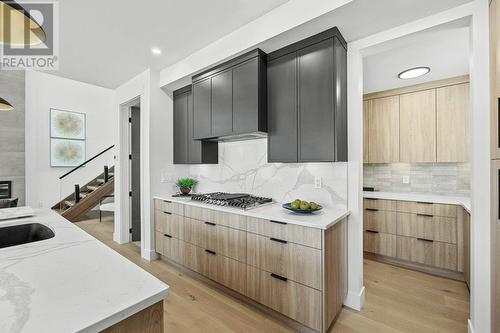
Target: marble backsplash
(439, 178)
(243, 167)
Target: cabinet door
(367, 105)
(202, 96)
(181, 128)
(246, 97)
(222, 103)
(340, 100)
(383, 130)
(194, 146)
(467, 248)
(453, 123)
(316, 102)
(418, 127)
(282, 109)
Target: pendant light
(5, 106)
(20, 20)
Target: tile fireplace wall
(12, 133)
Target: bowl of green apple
(302, 206)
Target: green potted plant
(186, 184)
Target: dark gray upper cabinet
(187, 150)
(282, 109)
(222, 103)
(202, 104)
(307, 109)
(236, 104)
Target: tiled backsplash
(243, 167)
(424, 177)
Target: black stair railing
(84, 163)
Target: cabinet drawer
(198, 259)
(380, 204)
(427, 208)
(436, 254)
(209, 215)
(231, 243)
(380, 220)
(296, 262)
(232, 274)
(294, 300)
(167, 223)
(437, 228)
(379, 243)
(193, 231)
(169, 206)
(167, 246)
(289, 232)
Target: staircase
(88, 196)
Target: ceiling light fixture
(5, 106)
(156, 50)
(19, 20)
(413, 72)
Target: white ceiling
(444, 49)
(108, 42)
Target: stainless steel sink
(24, 233)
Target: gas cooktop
(238, 200)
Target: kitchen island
(289, 265)
(74, 283)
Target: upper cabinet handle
(278, 222)
(167, 201)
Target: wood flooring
(397, 299)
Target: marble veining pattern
(438, 178)
(243, 167)
(69, 283)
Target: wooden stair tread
(69, 203)
(92, 187)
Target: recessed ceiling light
(155, 50)
(413, 72)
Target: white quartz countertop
(69, 283)
(463, 201)
(322, 219)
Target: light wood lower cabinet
(297, 271)
(417, 232)
(296, 262)
(290, 298)
(379, 243)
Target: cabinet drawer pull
(373, 199)
(424, 203)
(168, 213)
(277, 222)
(167, 235)
(210, 223)
(278, 240)
(211, 252)
(372, 209)
(425, 240)
(279, 277)
(425, 215)
(372, 231)
(167, 201)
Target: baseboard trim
(149, 255)
(470, 329)
(355, 301)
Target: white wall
(44, 91)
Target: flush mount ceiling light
(5, 106)
(155, 50)
(413, 73)
(23, 29)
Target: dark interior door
(135, 173)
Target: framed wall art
(67, 138)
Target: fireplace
(5, 189)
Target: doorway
(135, 172)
